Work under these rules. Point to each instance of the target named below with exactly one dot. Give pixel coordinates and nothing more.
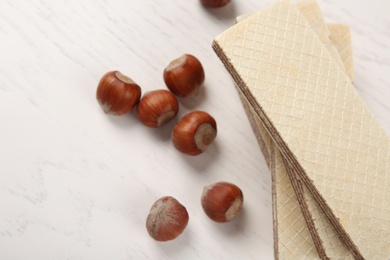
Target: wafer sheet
(298, 91)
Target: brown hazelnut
(184, 76)
(157, 107)
(214, 3)
(222, 201)
(117, 94)
(194, 133)
(167, 219)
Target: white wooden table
(78, 184)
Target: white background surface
(78, 184)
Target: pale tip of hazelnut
(106, 108)
(164, 118)
(124, 78)
(204, 136)
(177, 63)
(235, 207)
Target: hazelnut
(117, 94)
(157, 107)
(194, 133)
(167, 219)
(214, 3)
(184, 76)
(222, 201)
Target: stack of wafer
(329, 158)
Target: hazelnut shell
(222, 201)
(117, 94)
(157, 107)
(167, 219)
(184, 76)
(194, 133)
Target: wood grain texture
(77, 184)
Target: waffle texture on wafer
(297, 90)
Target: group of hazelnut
(118, 94)
(168, 218)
